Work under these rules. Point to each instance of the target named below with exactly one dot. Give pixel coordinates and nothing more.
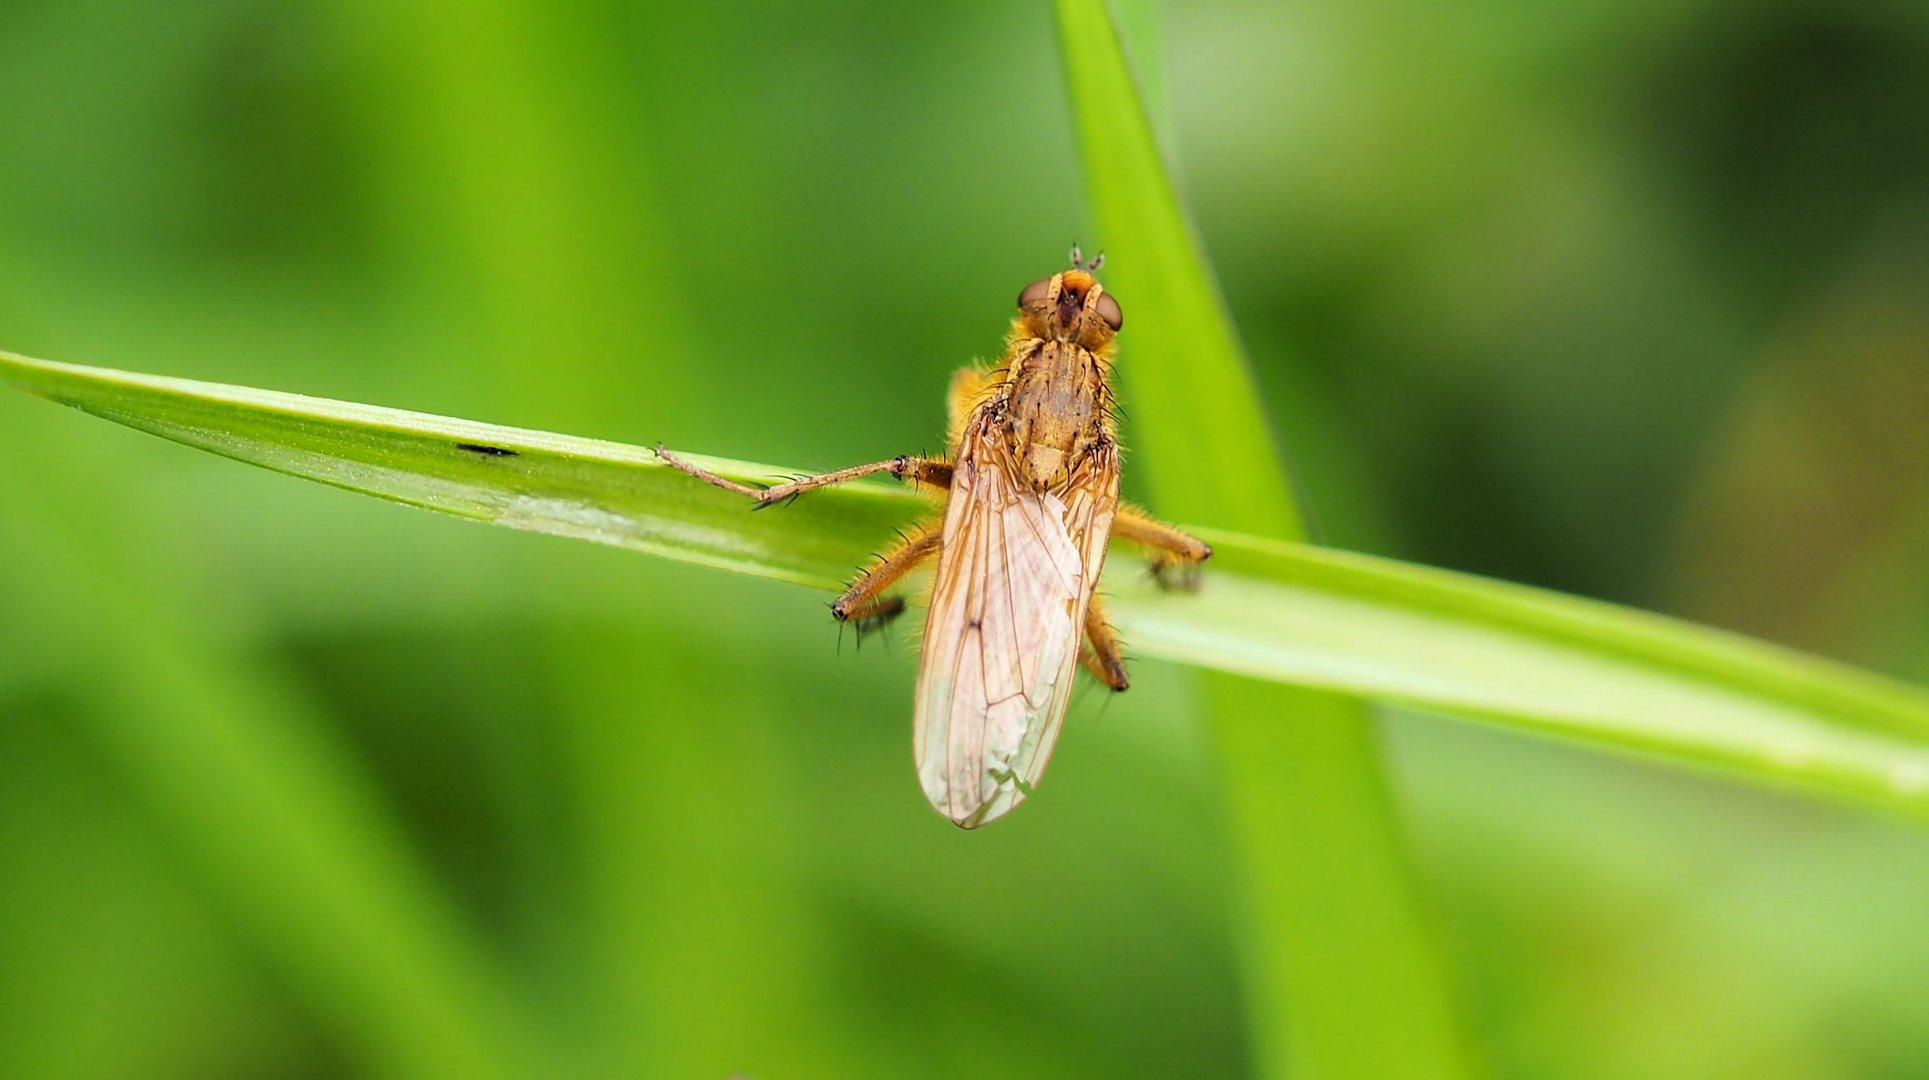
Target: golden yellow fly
(1031, 487)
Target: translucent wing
(1015, 573)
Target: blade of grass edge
(1346, 974)
(1530, 660)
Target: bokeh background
(1629, 299)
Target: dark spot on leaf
(485, 451)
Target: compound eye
(1108, 309)
(1034, 295)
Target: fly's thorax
(1053, 410)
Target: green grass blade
(1197, 425)
(1534, 660)
(1345, 976)
(1525, 658)
(556, 484)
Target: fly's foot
(1173, 575)
(866, 618)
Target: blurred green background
(1626, 299)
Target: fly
(1030, 486)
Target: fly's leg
(1100, 650)
(919, 470)
(863, 604)
(968, 389)
(1175, 555)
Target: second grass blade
(1345, 976)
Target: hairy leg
(864, 603)
(1171, 549)
(1100, 651)
(918, 470)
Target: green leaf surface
(1525, 658)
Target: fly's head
(1071, 308)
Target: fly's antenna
(1079, 263)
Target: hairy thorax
(1053, 411)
